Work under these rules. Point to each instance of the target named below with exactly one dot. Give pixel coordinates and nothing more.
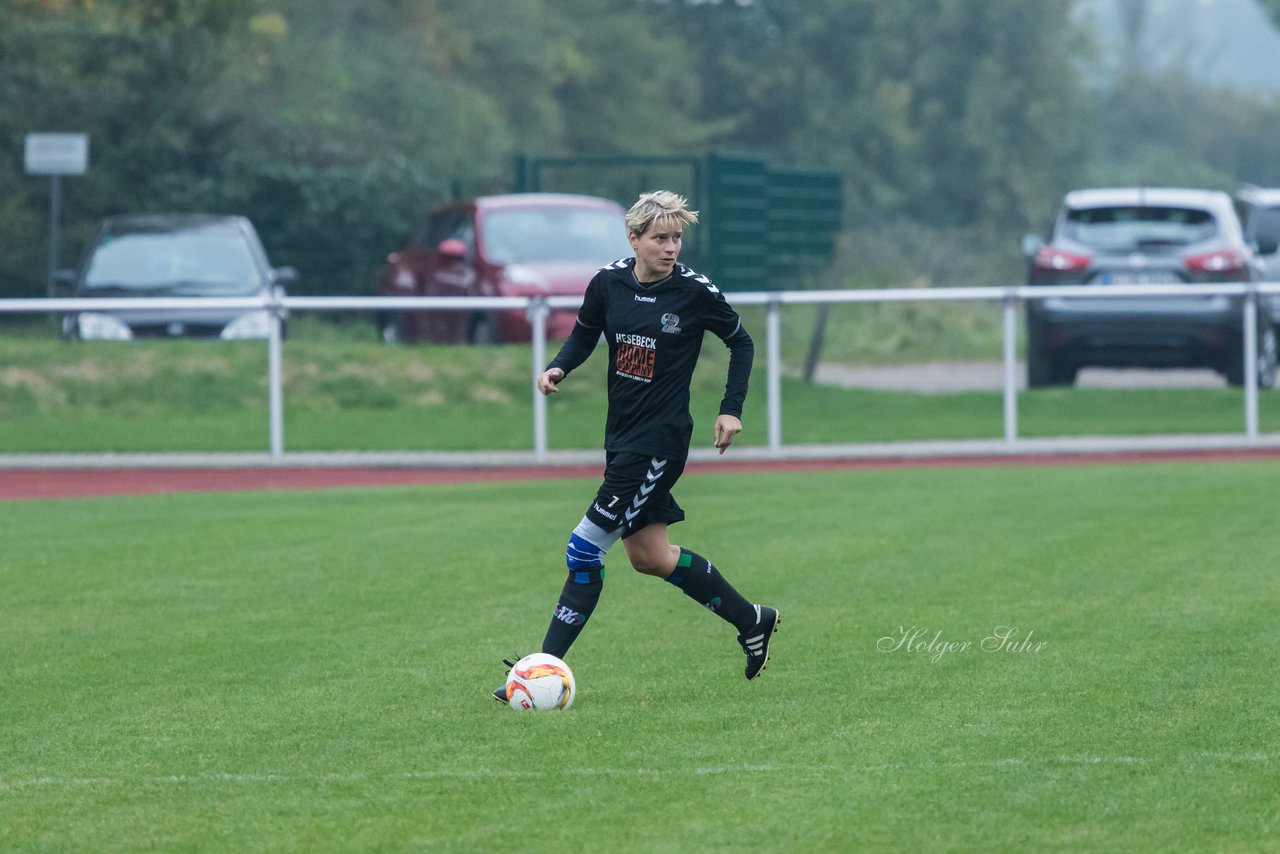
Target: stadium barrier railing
(1010, 298)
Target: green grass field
(287, 671)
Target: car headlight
(255, 324)
(92, 326)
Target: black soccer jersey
(654, 333)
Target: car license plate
(1137, 278)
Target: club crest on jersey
(671, 323)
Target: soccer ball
(541, 683)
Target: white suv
(1260, 211)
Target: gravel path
(938, 377)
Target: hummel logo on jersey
(568, 615)
(645, 299)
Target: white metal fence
(1010, 298)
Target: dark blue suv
(1141, 236)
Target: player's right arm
(549, 380)
(581, 341)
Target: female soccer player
(652, 312)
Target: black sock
(577, 600)
(704, 584)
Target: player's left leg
(651, 552)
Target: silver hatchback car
(1135, 236)
(175, 255)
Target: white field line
(19, 783)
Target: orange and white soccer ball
(540, 683)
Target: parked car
(174, 255)
(1260, 211)
(522, 244)
(1137, 236)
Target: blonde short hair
(662, 208)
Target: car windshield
(1137, 227)
(208, 262)
(555, 234)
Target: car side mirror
(453, 248)
(284, 276)
(1031, 244)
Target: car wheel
(1039, 369)
(483, 330)
(1264, 364)
(1043, 369)
(391, 328)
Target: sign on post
(57, 153)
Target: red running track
(21, 484)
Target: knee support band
(585, 553)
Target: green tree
(626, 83)
(946, 111)
(335, 125)
(140, 78)
(1272, 8)
(1167, 130)
(350, 131)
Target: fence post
(55, 219)
(773, 359)
(1251, 364)
(1010, 366)
(538, 321)
(275, 377)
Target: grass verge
(342, 393)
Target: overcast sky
(1227, 42)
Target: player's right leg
(584, 556)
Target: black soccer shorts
(636, 492)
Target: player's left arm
(727, 325)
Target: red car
(523, 244)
